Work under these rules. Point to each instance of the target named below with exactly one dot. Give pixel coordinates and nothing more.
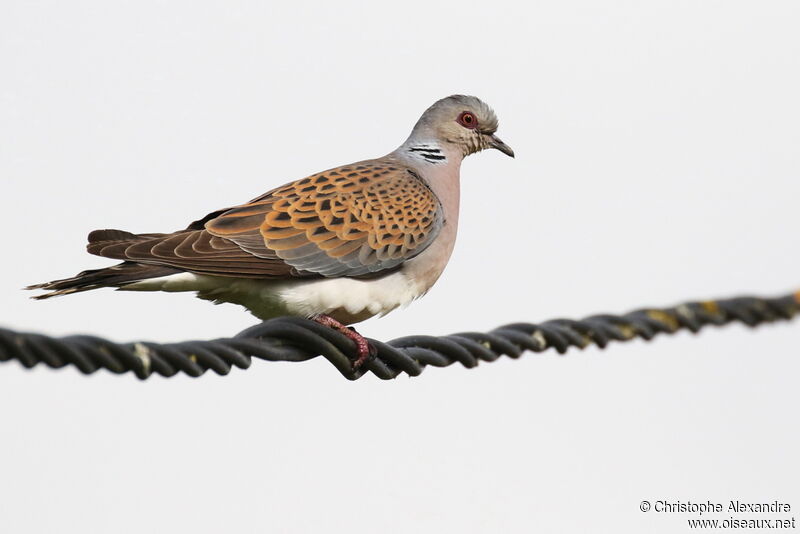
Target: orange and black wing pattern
(357, 220)
(349, 221)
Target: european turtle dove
(339, 246)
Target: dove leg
(363, 348)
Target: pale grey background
(657, 161)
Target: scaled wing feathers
(350, 221)
(357, 220)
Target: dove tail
(118, 275)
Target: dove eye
(467, 120)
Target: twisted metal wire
(296, 340)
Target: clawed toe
(364, 349)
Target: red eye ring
(467, 119)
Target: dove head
(465, 122)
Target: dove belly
(348, 300)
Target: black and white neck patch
(431, 154)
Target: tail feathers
(113, 243)
(116, 276)
(109, 235)
(97, 236)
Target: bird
(338, 247)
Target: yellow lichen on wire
(667, 318)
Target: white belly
(348, 300)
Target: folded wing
(359, 220)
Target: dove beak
(496, 142)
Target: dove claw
(364, 350)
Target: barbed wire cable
(294, 339)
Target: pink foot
(363, 348)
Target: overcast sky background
(657, 161)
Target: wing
(357, 220)
(349, 221)
(189, 250)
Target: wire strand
(295, 340)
